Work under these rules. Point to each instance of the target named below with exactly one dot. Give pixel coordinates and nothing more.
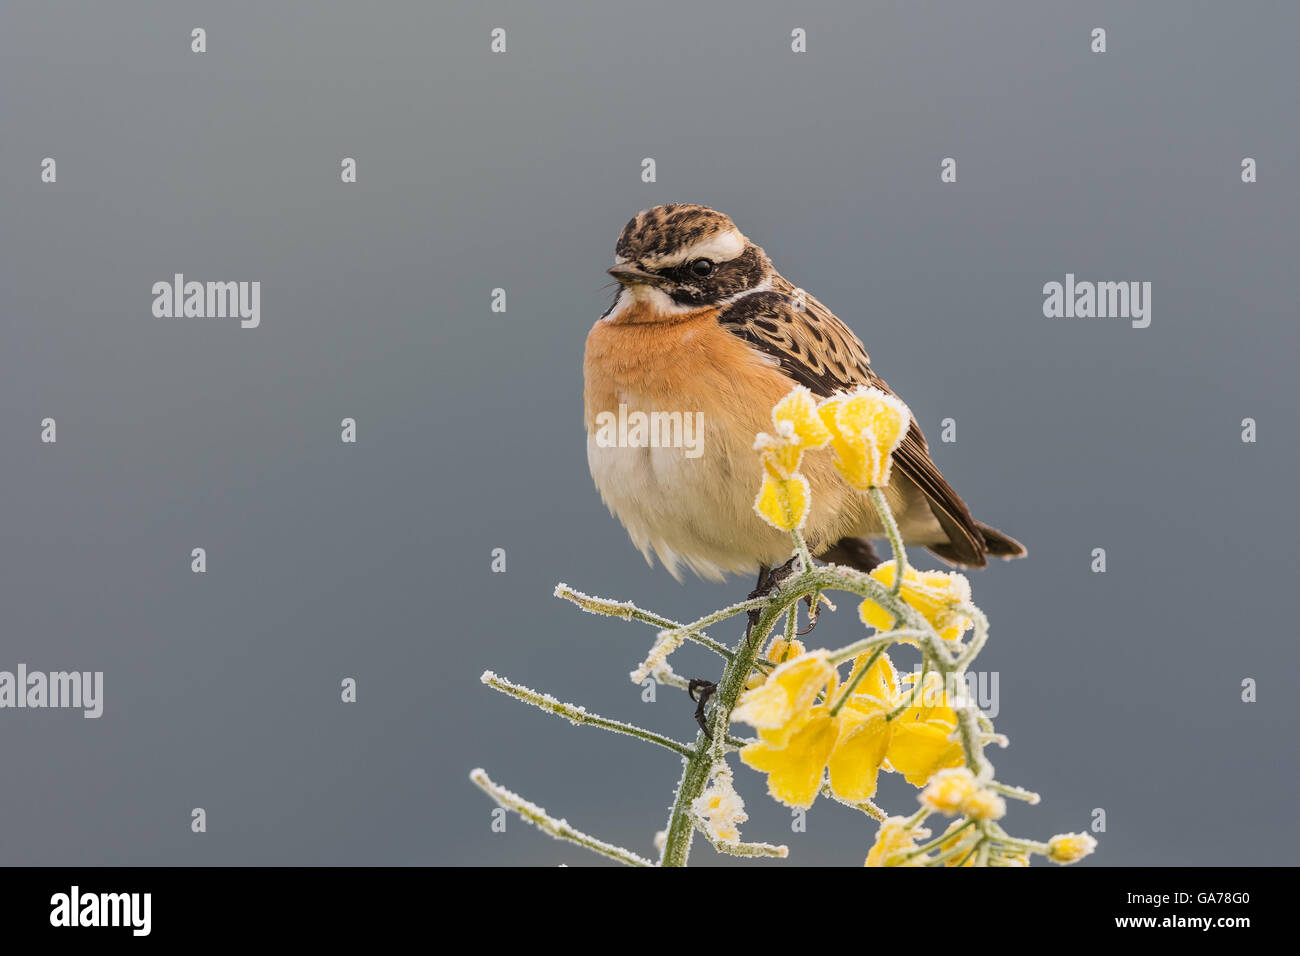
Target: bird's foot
(814, 615)
(707, 689)
(768, 580)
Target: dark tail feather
(859, 553)
(1001, 546)
(995, 543)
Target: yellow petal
(984, 805)
(1070, 847)
(781, 461)
(892, 840)
(783, 502)
(930, 703)
(783, 650)
(794, 772)
(937, 595)
(960, 859)
(866, 426)
(785, 697)
(949, 790)
(799, 409)
(873, 615)
(919, 750)
(859, 751)
(879, 682)
(780, 652)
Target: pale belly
(692, 512)
(698, 513)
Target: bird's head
(683, 257)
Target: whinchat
(704, 328)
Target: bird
(702, 324)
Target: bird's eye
(702, 267)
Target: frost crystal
(665, 644)
(719, 809)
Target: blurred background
(1119, 691)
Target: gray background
(1119, 691)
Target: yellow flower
(798, 741)
(795, 769)
(1070, 847)
(915, 743)
(893, 841)
(948, 791)
(865, 425)
(796, 734)
(865, 734)
(779, 706)
(955, 791)
(921, 744)
(720, 809)
(984, 805)
(859, 753)
(783, 650)
(798, 428)
(783, 502)
(780, 652)
(937, 595)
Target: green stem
(969, 855)
(968, 727)
(916, 688)
(559, 829)
(681, 827)
(630, 612)
(977, 640)
(936, 842)
(1017, 793)
(751, 849)
(578, 715)
(866, 806)
(883, 639)
(877, 496)
(801, 548)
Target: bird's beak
(630, 275)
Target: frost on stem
(579, 715)
(657, 659)
(548, 824)
(595, 605)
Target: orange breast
(682, 363)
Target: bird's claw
(707, 689)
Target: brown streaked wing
(815, 349)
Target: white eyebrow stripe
(720, 247)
